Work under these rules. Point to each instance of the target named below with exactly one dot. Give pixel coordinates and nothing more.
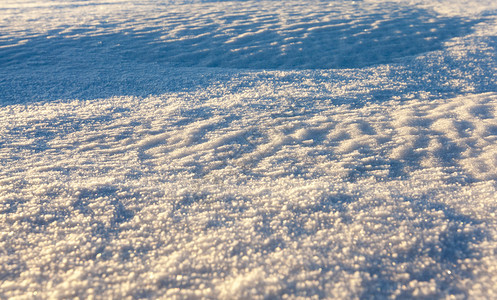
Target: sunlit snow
(248, 149)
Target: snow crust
(248, 149)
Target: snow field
(248, 149)
(167, 196)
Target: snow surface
(248, 149)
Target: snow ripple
(253, 35)
(182, 195)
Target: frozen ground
(248, 149)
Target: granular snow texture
(248, 149)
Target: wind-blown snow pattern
(248, 149)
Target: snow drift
(248, 149)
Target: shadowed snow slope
(246, 35)
(131, 167)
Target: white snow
(248, 149)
